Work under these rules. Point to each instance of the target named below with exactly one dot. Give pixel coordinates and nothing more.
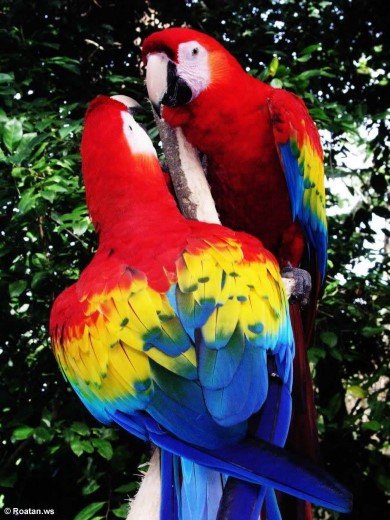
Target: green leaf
(103, 447)
(277, 83)
(8, 481)
(88, 512)
(81, 227)
(69, 127)
(313, 73)
(26, 146)
(16, 288)
(12, 134)
(311, 48)
(80, 428)
(304, 58)
(28, 200)
(38, 278)
(42, 435)
(22, 433)
(273, 66)
(122, 511)
(372, 425)
(315, 354)
(127, 488)
(368, 332)
(77, 447)
(6, 77)
(329, 338)
(86, 446)
(90, 488)
(357, 391)
(69, 64)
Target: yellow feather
(222, 322)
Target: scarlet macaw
(179, 332)
(264, 165)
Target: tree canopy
(55, 57)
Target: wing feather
(194, 354)
(302, 160)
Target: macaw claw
(300, 291)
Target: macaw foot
(298, 284)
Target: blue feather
(262, 463)
(271, 506)
(169, 495)
(217, 367)
(272, 426)
(275, 415)
(201, 491)
(314, 229)
(256, 462)
(188, 416)
(246, 392)
(241, 500)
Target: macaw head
(118, 159)
(111, 132)
(183, 64)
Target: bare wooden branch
(188, 178)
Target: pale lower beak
(156, 79)
(127, 101)
(165, 86)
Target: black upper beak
(178, 92)
(136, 110)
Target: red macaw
(179, 332)
(264, 166)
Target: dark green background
(54, 57)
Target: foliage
(55, 57)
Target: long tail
(201, 491)
(243, 500)
(303, 435)
(256, 462)
(188, 491)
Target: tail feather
(169, 495)
(259, 463)
(241, 499)
(303, 436)
(271, 506)
(200, 491)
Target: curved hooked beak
(165, 86)
(132, 105)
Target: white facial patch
(138, 139)
(156, 76)
(193, 66)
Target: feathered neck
(122, 189)
(235, 103)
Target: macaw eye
(130, 128)
(195, 51)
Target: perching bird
(179, 332)
(264, 166)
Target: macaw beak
(165, 86)
(132, 105)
